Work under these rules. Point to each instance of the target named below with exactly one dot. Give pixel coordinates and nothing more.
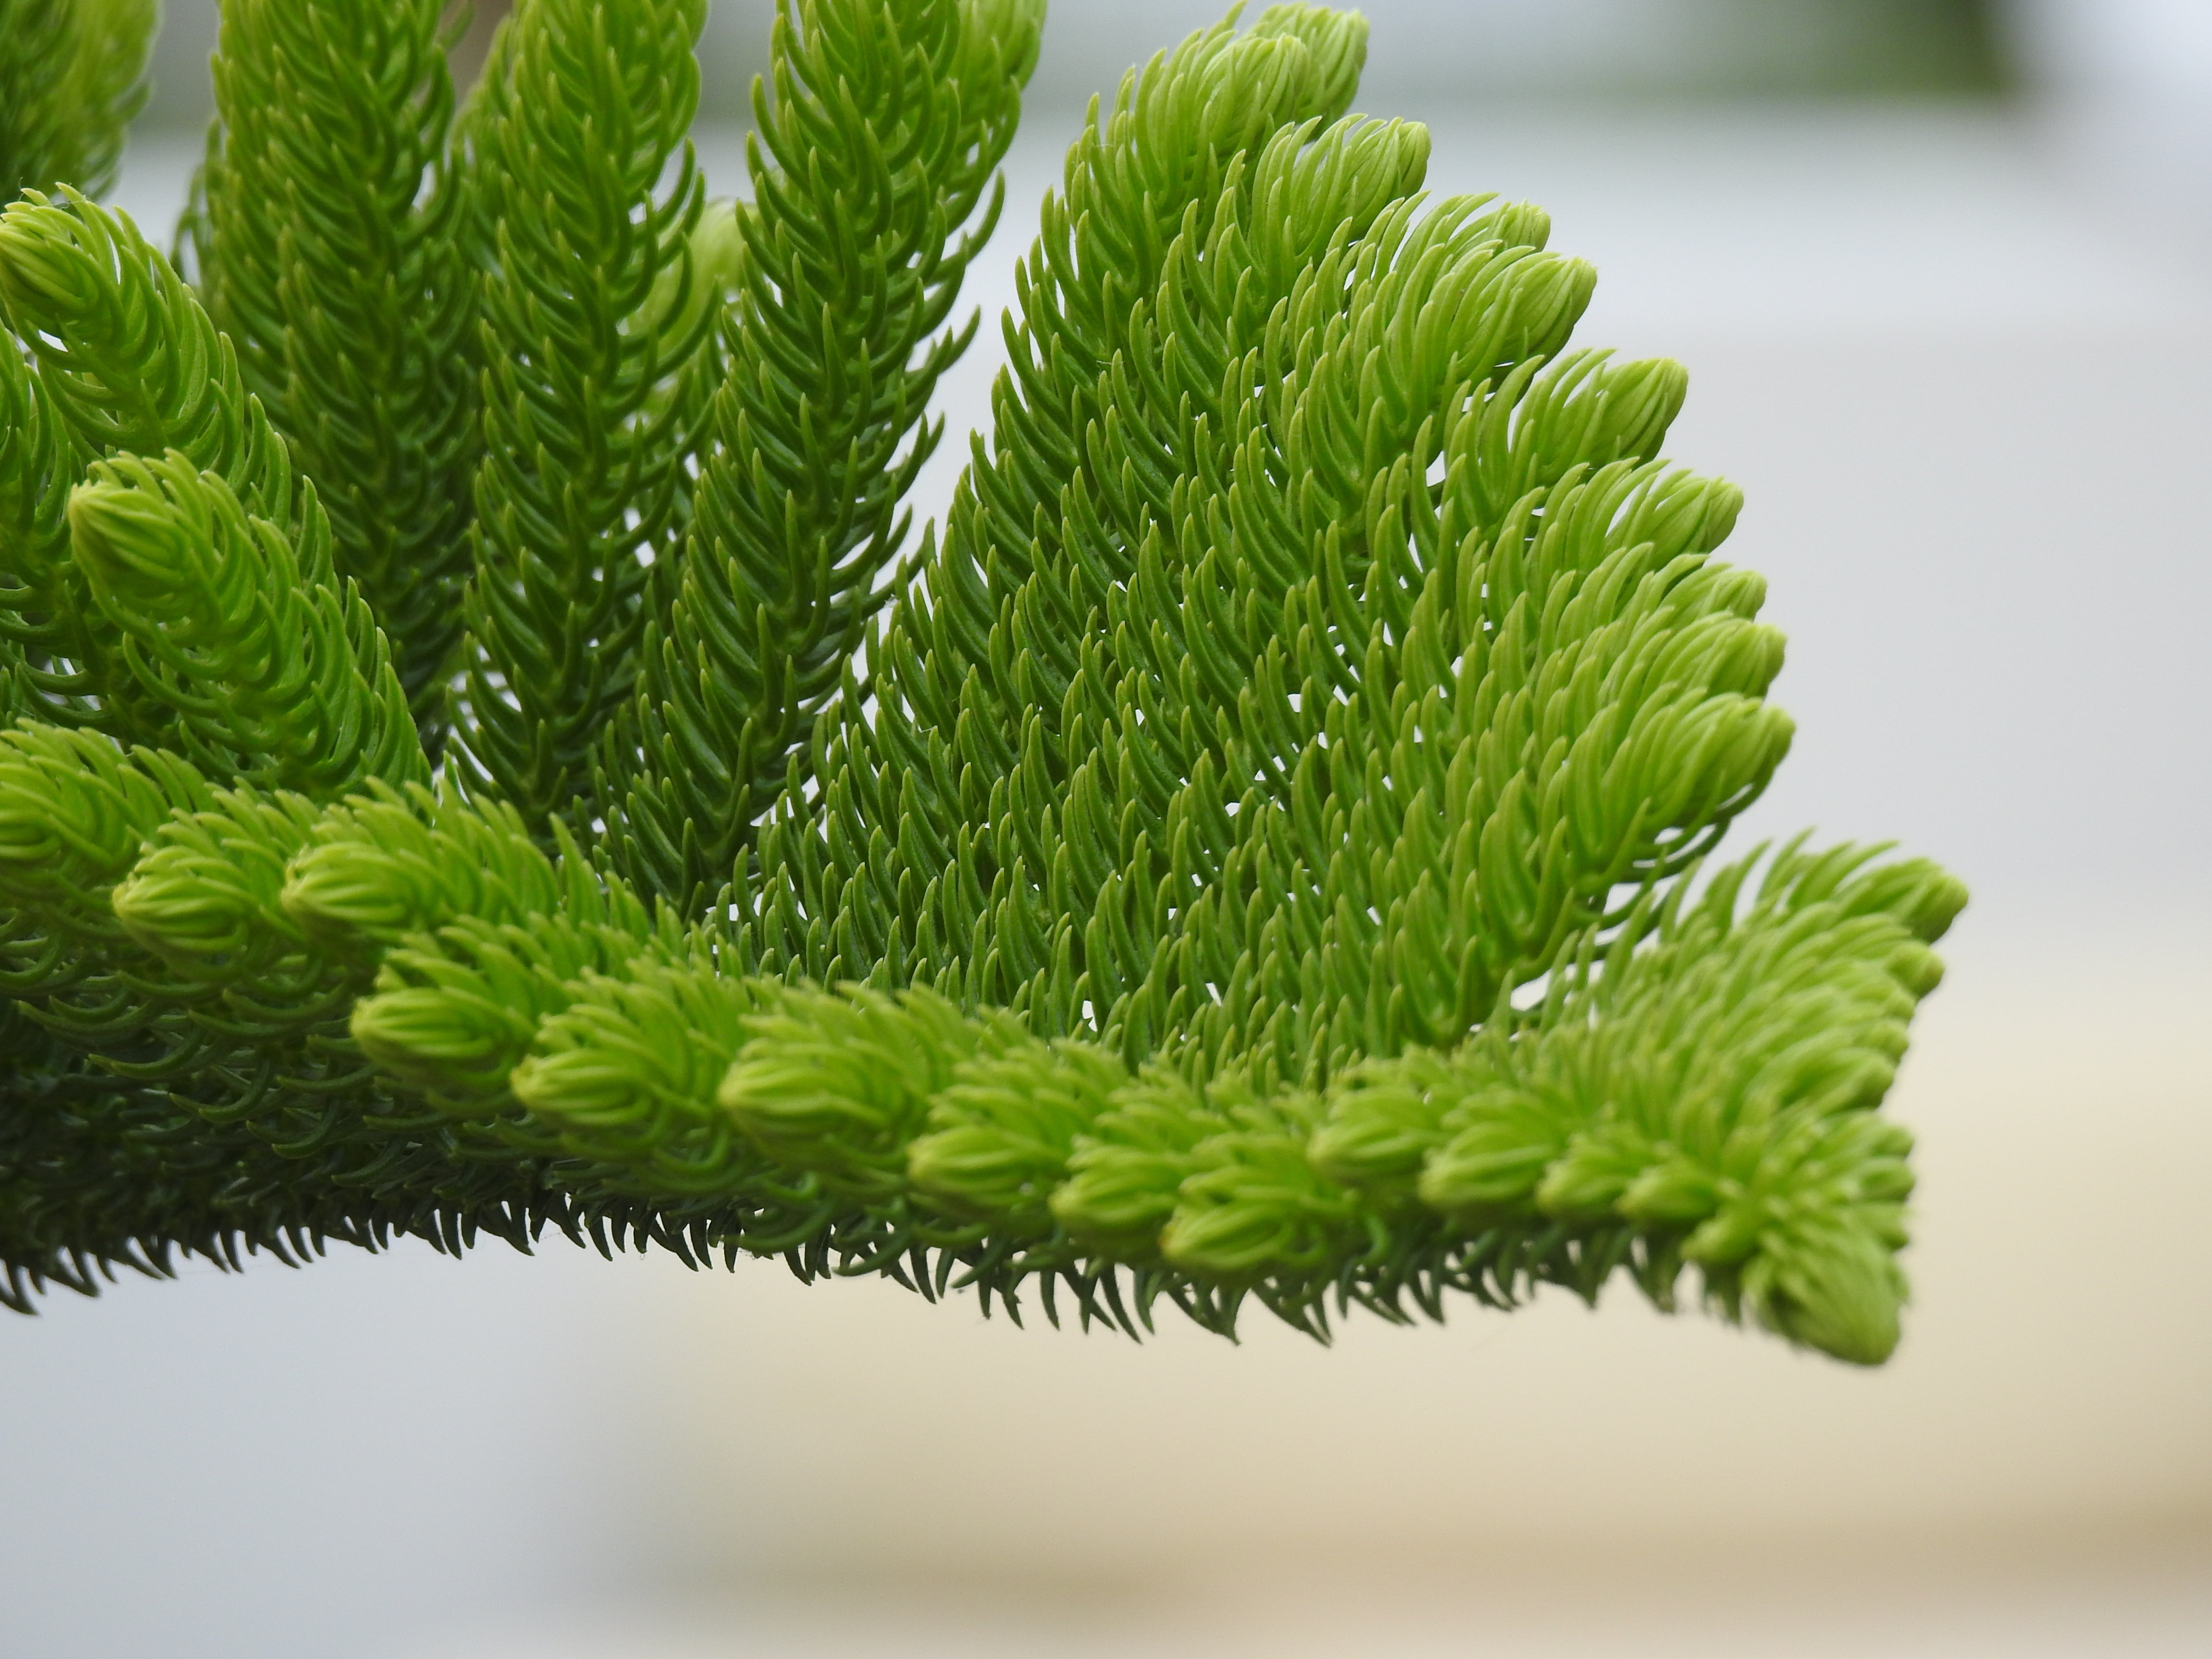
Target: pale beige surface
(2137, 1599)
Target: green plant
(1253, 853)
(72, 74)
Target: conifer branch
(276, 675)
(1260, 853)
(72, 76)
(869, 168)
(326, 250)
(589, 416)
(123, 360)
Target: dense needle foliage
(485, 753)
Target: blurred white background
(1942, 277)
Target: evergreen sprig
(71, 77)
(1258, 851)
(868, 167)
(591, 410)
(325, 242)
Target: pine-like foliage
(1258, 850)
(327, 248)
(72, 74)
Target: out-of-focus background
(1942, 272)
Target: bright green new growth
(1257, 851)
